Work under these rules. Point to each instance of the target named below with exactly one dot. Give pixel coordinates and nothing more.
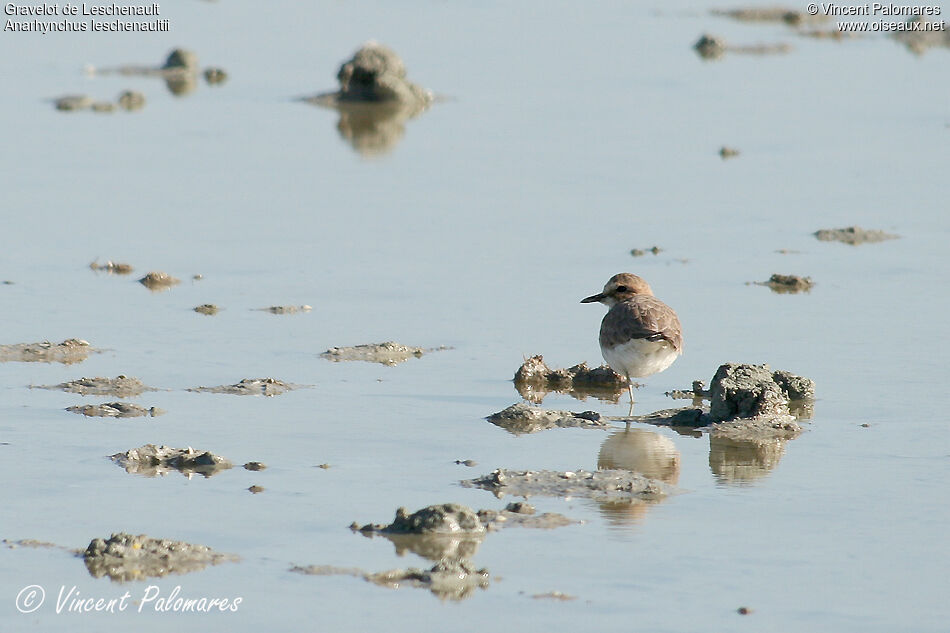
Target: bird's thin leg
(630, 391)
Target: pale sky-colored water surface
(569, 135)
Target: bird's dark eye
(621, 288)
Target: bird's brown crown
(621, 287)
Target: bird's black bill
(593, 298)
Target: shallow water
(570, 135)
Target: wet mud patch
(457, 520)
(286, 309)
(111, 267)
(554, 595)
(522, 514)
(446, 518)
(251, 387)
(124, 557)
(32, 543)
(180, 72)
(601, 485)
(728, 152)
(922, 34)
(785, 15)
(72, 350)
(157, 461)
(120, 386)
(115, 410)
(712, 47)
(159, 281)
(388, 353)
(853, 235)
(447, 533)
(787, 284)
(208, 309)
(127, 100)
(520, 418)
(534, 380)
(448, 579)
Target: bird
(640, 335)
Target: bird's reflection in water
(646, 452)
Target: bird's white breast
(639, 357)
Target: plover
(640, 335)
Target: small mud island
(375, 99)
(251, 387)
(72, 350)
(124, 557)
(388, 353)
(853, 235)
(534, 380)
(153, 461)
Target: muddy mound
(123, 557)
(522, 418)
(601, 485)
(388, 353)
(534, 380)
(251, 387)
(115, 410)
(153, 461)
(120, 386)
(72, 350)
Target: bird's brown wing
(641, 317)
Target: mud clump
(153, 461)
(521, 418)
(375, 100)
(120, 386)
(111, 267)
(741, 391)
(447, 518)
(853, 235)
(388, 353)
(72, 350)
(181, 59)
(287, 309)
(787, 284)
(728, 152)
(601, 485)
(208, 309)
(921, 34)
(123, 557)
(534, 380)
(158, 281)
(131, 100)
(521, 514)
(128, 100)
(215, 76)
(72, 103)
(447, 579)
(712, 47)
(791, 17)
(251, 387)
(375, 74)
(115, 410)
(640, 252)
